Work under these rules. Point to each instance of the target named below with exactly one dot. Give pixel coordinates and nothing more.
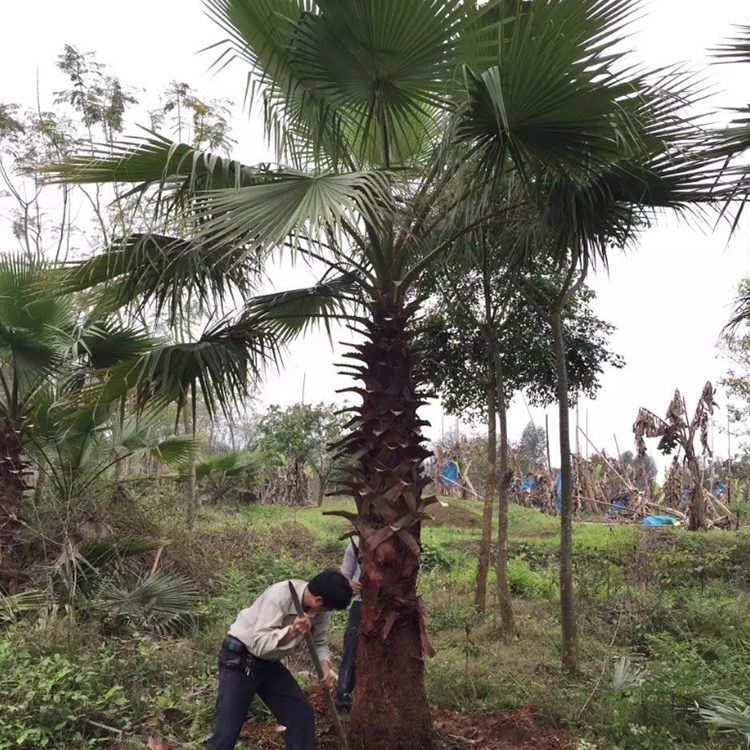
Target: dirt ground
(495, 731)
(454, 516)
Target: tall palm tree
(580, 220)
(376, 109)
(732, 143)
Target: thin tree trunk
(485, 547)
(567, 598)
(507, 620)
(697, 510)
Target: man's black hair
(333, 587)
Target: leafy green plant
(159, 603)
(627, 674)
(233, 476)
(530, 584)
(728, 713)
(47, 698)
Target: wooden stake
(546, 427)
(608, 462)
(619, 455)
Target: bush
(530, 584)
(47, 697)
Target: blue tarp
(618, 506)
(558, 489)
(719, 490)
(450, 472)
(659, 521)
(527, 484)
(683, 501)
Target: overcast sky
(669, 299)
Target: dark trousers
(347, 672)
(241, 676)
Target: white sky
(669, 299)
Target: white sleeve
(319, 633)
(349, 565)
(268, 630)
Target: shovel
(319, 668)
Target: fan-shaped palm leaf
(290, 313)
(159, 602)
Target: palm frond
(106, 343)
(95, 555)
(176, 451)
(288, 314)
(728, 713)
(222, 365)
(735, 50)
(161, 270)
(374, 100)
(297, 206)
(176, 169)
(13, 608)
(551, 95)
(140, 435)
(232, 464)
(159, 602)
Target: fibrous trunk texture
(385, 446)
(12, 485)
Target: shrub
(528, 583)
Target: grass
(673, 603)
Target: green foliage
(47, 697)
(301, 434)
(529, 584)
(532, 447)
(231, 477)
(457, 360)
(158, 603)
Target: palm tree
(580, 220)
(376, 109)
(32, 342)
(732, 143)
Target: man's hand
(328, 681)
(356, 587)
(299, 627)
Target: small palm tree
(386, 115)
(34, 331)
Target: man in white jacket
(347, 673)
(250, 659)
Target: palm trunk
(485, 547)
(390, 709)
(567, 600)
(12, 485)
(507, 619)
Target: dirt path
(496, 731)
